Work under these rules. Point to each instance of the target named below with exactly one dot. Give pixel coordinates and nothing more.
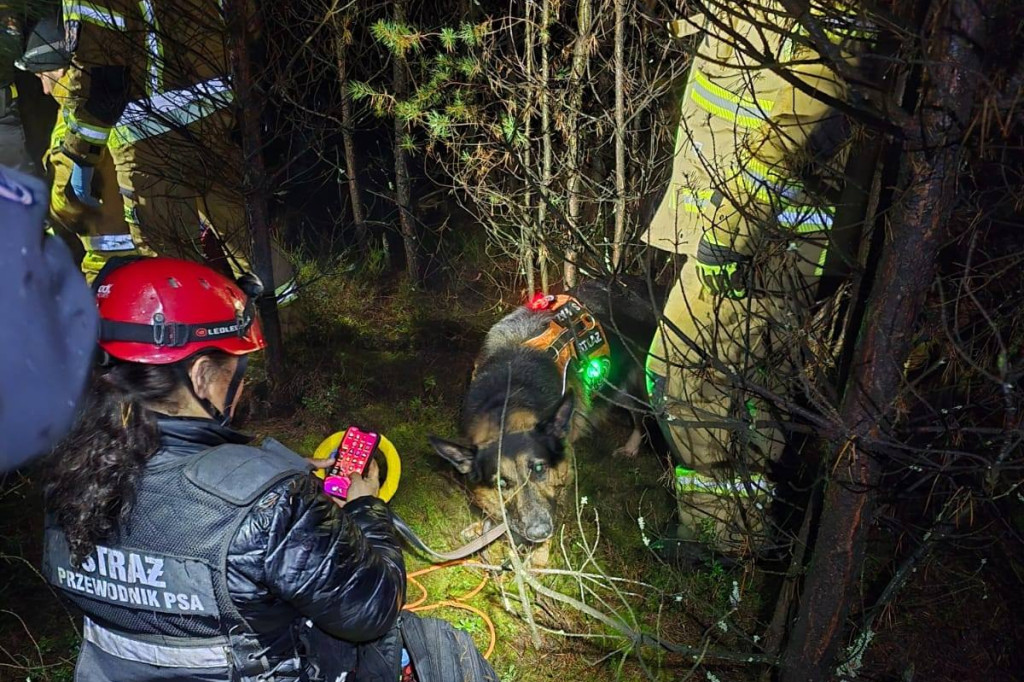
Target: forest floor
(398, 361)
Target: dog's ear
(461, 456)
(558, 424)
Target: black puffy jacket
(299, 556)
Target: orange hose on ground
(456, 602)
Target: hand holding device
(367, 485)
(326, 456)
(353, 457)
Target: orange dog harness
(572, 334)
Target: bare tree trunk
(254, 180)
(545, 133)
(620, 134)
(529, 232)
(904, 276)
(341, 43)
(579, 68)
(403, 184)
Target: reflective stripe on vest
(95, 134)
(107, 243)
(154, 47)
(769, 186)
(689, 481)
(287, 292)
(93, 14)
(717, 101)
(767, 182)
(212, 654)
(804, 219)
(169, 110)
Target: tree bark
(341, 42)
(573, 133)
(618, 241)
(254, 180)
(529, 231)
(403, 184)
(904, 276)
(545, 137)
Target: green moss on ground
(400, 362)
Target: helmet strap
(222, 416)
(236, 382)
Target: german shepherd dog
(522, 414)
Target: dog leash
(466, 550)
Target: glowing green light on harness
(595, 371)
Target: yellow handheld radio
(354, 449)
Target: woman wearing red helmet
(193, 554)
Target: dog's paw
(631, 448)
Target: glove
(722, 271)
(723, 280)
(81, 184)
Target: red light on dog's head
(540, 301)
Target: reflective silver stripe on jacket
(287, 292)
(154, 47)
(213, 655)
(87, 11)
(745, 112)
(804, 219)
(111, 242)
(693, 482)
(165, 111)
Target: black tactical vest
(155, 598)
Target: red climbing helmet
(157, 311)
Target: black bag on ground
(439, 653)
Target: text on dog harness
(573, 334)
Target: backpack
(439, 653)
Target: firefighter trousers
(708, 369)
(101, 232)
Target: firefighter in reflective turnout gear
(150, 81)
(192, 553)
(13, 153)
(98, 225)
(755, 120)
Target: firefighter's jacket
(152, 66)
(227, 552)
(746, 133)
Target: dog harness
(573, 334)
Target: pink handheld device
(353, 457)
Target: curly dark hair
(92, 472)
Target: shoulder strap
(240, 473)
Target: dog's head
(523, 465)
